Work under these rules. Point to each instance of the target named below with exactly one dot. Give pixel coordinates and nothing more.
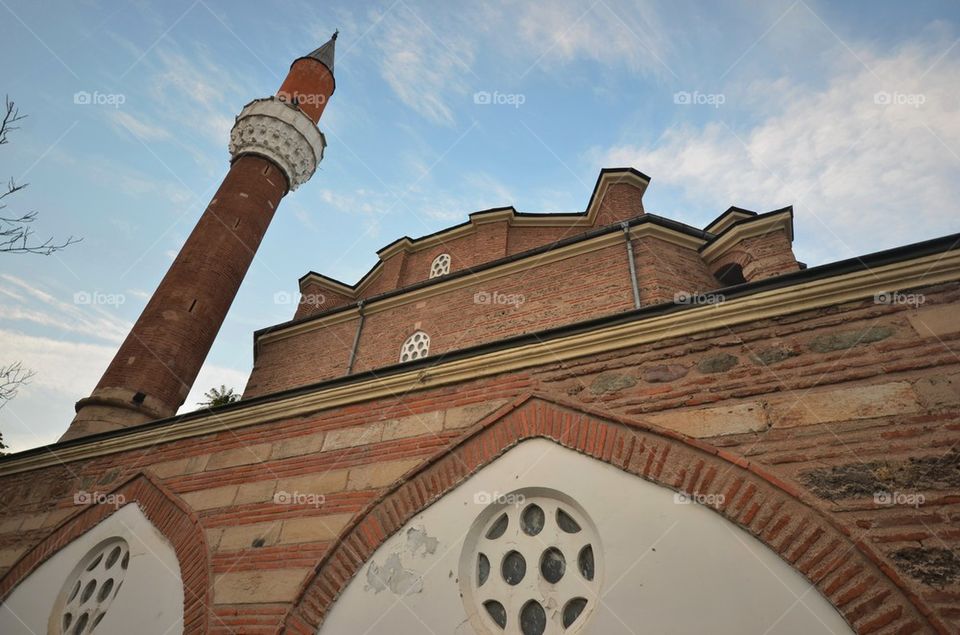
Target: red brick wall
(761, 256)
(317, 298)
(664, 269)
(834, 403)
(525, 238)
(622, 201)
(487, 243)
(554, 294)
(301, 359)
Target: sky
(847, 111)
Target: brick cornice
(772, 510)
(172, 518)
(750, 227)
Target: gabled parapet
(738, 246)
(750, 246)
(486, 236)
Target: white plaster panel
(150, 601)
(669, 568)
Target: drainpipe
(356, 339)
(625, 226)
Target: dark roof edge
(733, 209)
(743, 221)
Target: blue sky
(848, 111)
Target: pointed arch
(171, 517)
(773, 511)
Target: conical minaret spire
(324, 54)
(310, 81)
(275, 147)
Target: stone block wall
(854, 410)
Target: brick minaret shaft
(275, 147)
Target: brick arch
(736, 256)
(869, 595)
(172, 518)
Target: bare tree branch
(11, 116)
(15, 231)
(12, 378)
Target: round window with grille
(416, 346)
(531, 565)
(440, 266)
(91, 588)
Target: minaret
(275, 147)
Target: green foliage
(219, 397)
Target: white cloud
(614, 33)
(862, 175)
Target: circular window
(440, 266)
(91, 588)
(530, 565)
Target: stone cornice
(663, 233)
(281, 133)
(933, 268)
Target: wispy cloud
(869, 161)
(78, 315)
(189, 92)
(428, 58)
(614, 33)
(423, 70)
(138, 128)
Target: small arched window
(440, 266)
(729, 275)
(416, 346)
